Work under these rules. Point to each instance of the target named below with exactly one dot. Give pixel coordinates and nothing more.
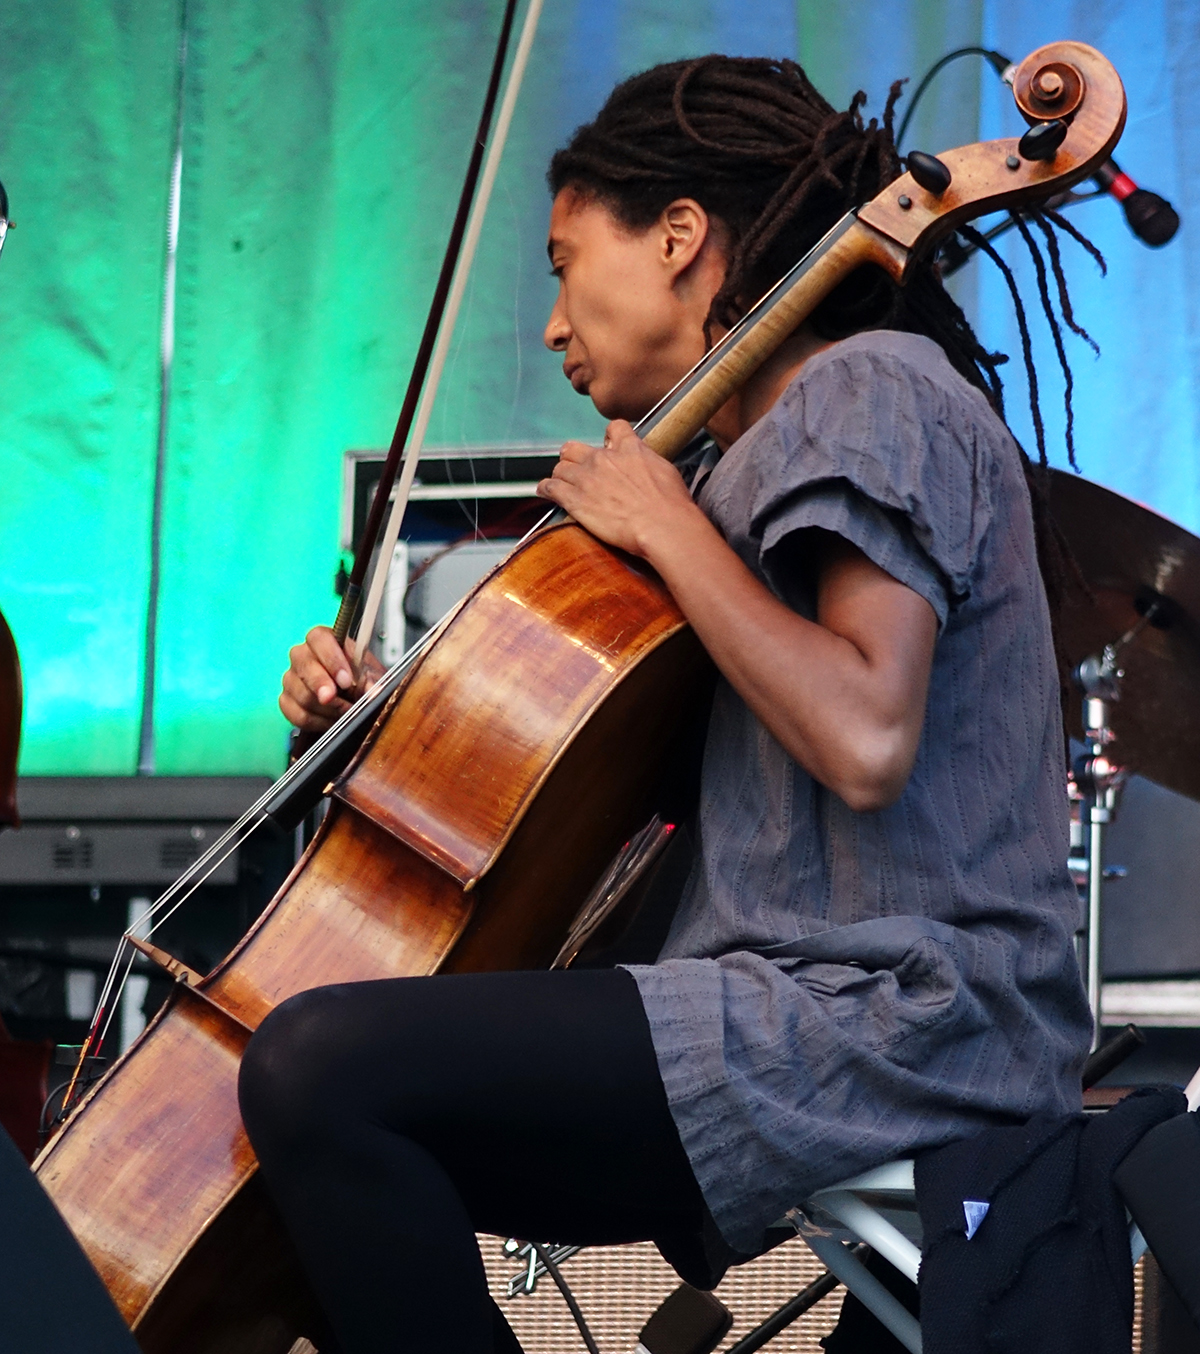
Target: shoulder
(885, 372)
(884, 418)
(887, 411)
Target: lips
(574, 373)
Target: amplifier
(468, 507)
(92, 853)
(121, 829)
(618, 1287)
(458, 490)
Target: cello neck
(680, 415)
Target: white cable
(412, 452)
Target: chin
(611, 404)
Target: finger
(369, 673)
(314, 674)
(551, 488)
(617, 431)
(310, 697)
(557, 491)
(372, 668)
(330, 654)
(632, 445)
(574, 452)
(300, 718)
(566, 473)
(300, 696)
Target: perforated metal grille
(619, 1286)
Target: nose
(558, 332)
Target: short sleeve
(879, 440)
(882, 535)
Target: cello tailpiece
(179, 971)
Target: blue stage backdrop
(322, 150)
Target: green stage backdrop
(323, 145)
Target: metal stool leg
(866, 1287)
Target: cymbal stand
(1095, 788)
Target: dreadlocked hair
(777, 166)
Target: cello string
(229, 841)
(537, 526)
(195, 872)
(93, 1030)
(233, 837)
(116, 1000)
(149, 913)
(198, 880)
(106, 992)
(412, 453)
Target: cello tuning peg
(1042, 140)
(929, 172)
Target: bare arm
(844, 695)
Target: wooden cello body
(519, 755)
(23, 1062)
(521, 751)
(10, 725)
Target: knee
(285, 1081)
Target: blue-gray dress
(839, 989)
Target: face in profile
(629, 317)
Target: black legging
(395, 1119)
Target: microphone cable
(555, 1273)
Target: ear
(684, 227)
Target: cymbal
(1130, 558)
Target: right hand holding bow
(320, 686)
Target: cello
(469, 829)
(24, 1063)
(10, 725)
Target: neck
(743, 409)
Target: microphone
(1151, 218)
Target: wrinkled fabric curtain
(323, 148)
(86, 117)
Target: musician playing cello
(873, 953)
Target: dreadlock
(764, 153)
